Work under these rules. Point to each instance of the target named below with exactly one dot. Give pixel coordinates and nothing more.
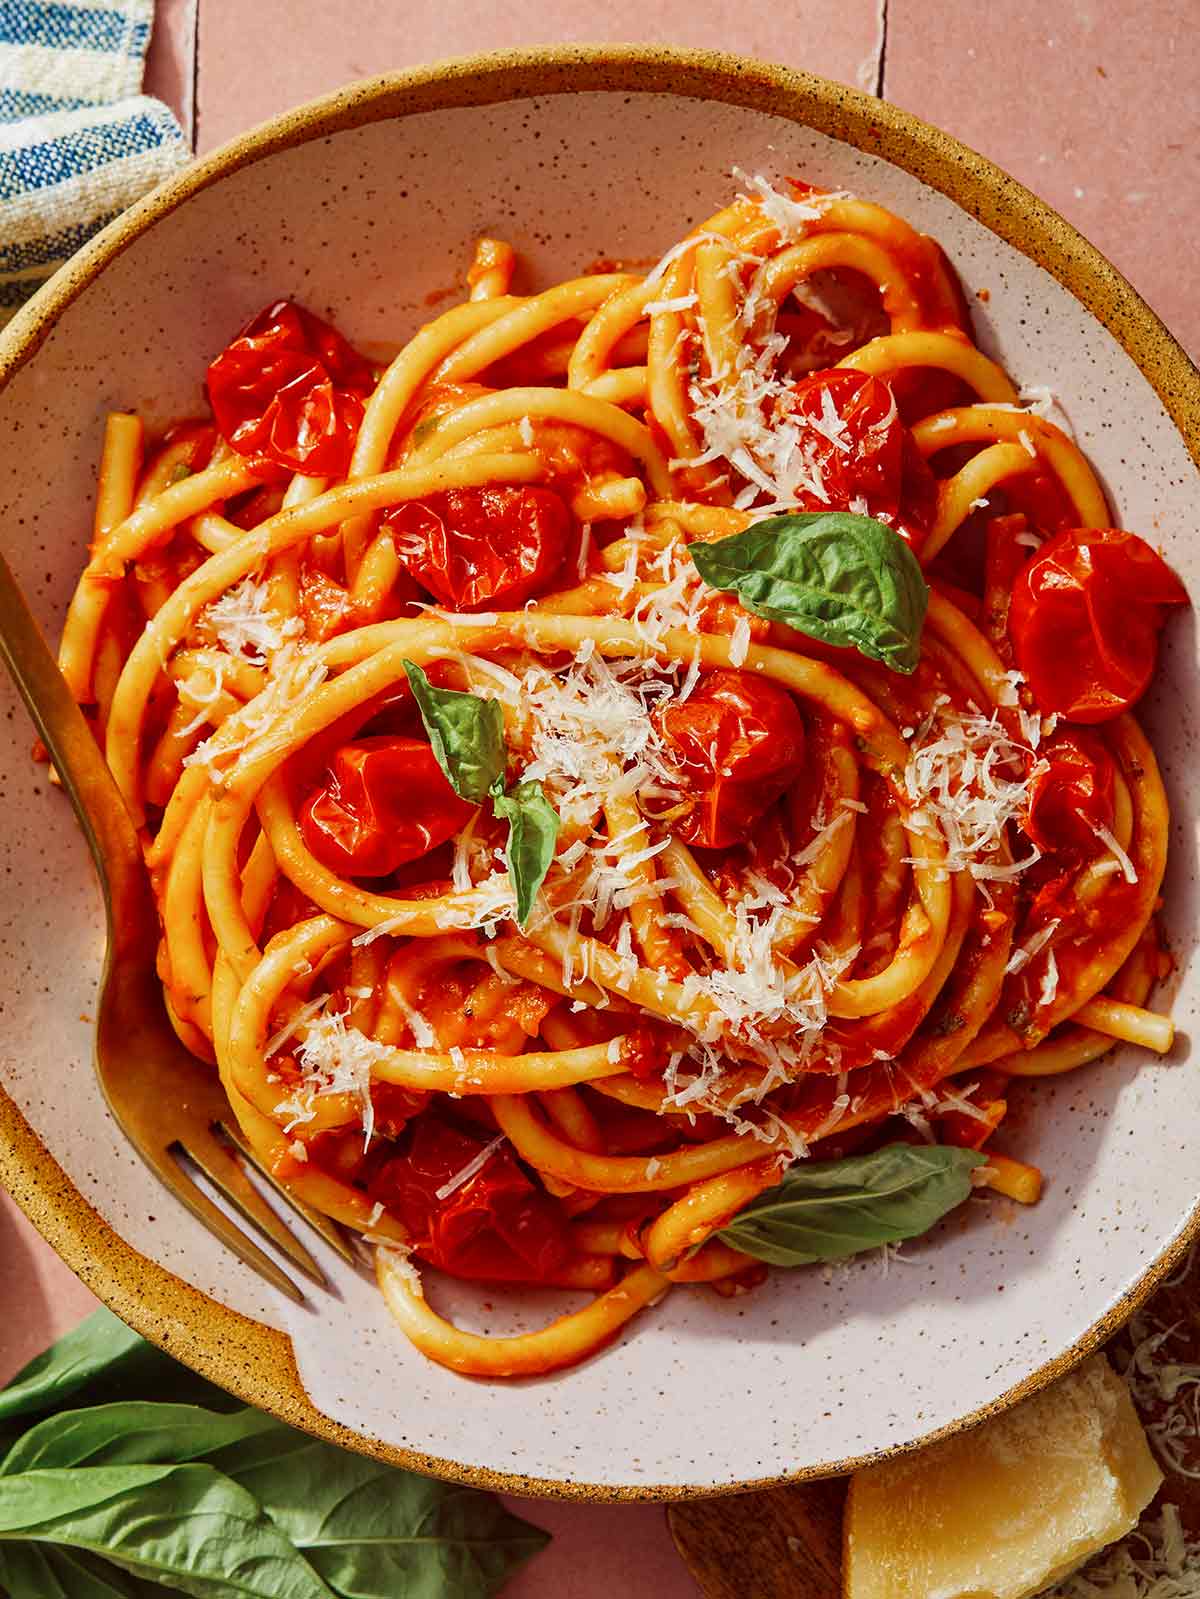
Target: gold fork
(164, 1099)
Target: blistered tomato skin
(1070, 793)
(862, 453)
(483, 548)
(738, 742)
(496, 1226)
(384, 802)
(1085, 618)
(290, 390)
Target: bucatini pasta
(657, 749)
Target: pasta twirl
(662, 730)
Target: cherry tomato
(384, 801)
(1085, 618)
(738, 743)
(329, 608)
(483, 549)
(862, 453)
(497, 1225)
(290, 389)
(1073, 795)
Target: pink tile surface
(1092, 104)
(41, 1296)
(1095, 109)
(171, 59)
(839, 38)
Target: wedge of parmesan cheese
(1009, 1508)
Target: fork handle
(77, 759)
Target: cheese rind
(1008, 1508)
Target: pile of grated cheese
(333, 1059)
(969, 779)
(245, 628)
(244, 625)
(1157, 1560)
(745, 416)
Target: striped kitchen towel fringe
(78, 142)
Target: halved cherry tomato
(1085, 618)
(497, 1225)
(738, 743)
(862, 453)
(1073, 795)
(483, 549)
(384, 801)
(290, 389)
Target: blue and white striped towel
(78, 141)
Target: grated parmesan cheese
(791, 216)
(1156, 1561)
(739, 642)
(334, 1059)
(1127, 867)
(966, 776)
(476, 1164)
(277, 1040)
(681, 302)
(1024, 953)
(296, 671)
(244, 626)
(1048, 990)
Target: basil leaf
(829, 1209)
(187, 1527)
(363, 1530)
(103, 1359)
(373, 1532)
(840, 578)
(97, 1345)
(532, 831)
(45, 1571)
(129, 1434)
(467, 734)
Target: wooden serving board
(782, 1544)
(786, 1543)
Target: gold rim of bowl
(254, 1361)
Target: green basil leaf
(364, 1530)
(130, 1434)
(830, 1209)
(96, 1345)
(373, 1532)
(187, 1527)
(44, 1571)
(102, 1359)
(532, 832)
(467, 734)
(840, 578)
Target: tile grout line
(195, 76)
(881, 64)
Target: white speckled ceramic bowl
(363, 206)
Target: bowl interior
(372, 226)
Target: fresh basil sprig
(466, 732)
(532, 833)
(185, 1527)
(122, 1500)
(467, 736)
(841, 578)
(830, 1209)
